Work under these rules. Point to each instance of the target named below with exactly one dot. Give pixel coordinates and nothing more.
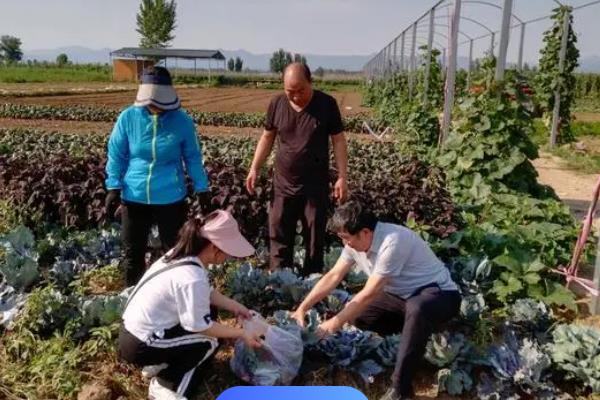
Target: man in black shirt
(303, 120)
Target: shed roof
(134, 52)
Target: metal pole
(209, 70)
(492, 44)
(451, 75)
(429, 49)
(561, 68)
(595, 300)
(444, 60)
(388, 61)
(395, 57)
(470, 66)
(402, 52)
(504, 38)
(521, 45)
(412, 61)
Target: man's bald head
(297, 84)
(296, 71)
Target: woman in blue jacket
(151, 148)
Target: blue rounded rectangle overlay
(292, 393)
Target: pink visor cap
(223, 231)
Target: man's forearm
(320, 291)
(352, 310)
(340, 153)
(263, 149)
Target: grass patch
(587, 104)
(588, 162)
(582, 129)
(39, 74)
(584, 155)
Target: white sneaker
(150, 371)
(156, 391)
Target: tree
(320, 72)
(299, 58)
(156, 22)
(10, 49)
(62, 59)
(231, 64)
(280, 60)
(239, 63)
(551, 78)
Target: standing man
(409, 289)
(303, 120)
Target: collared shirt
(178, 296)
(403, 257)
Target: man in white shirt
(409, 289)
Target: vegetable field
(474, 196)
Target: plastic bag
(276, 363)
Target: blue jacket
(147, 154)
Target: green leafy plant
(575, 350)
(19, 265)
(550, 78)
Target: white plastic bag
(276, 363)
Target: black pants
(181, 350)
(284, 215)
(136, 221)
(416, 317)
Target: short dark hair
(352, 217)
(305, 70)
(157, 75)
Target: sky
(332, 27)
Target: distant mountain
(261, 61)
(79, 54)
(589, 64)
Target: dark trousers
(182, 351)
(416, 317)
(284, 214)
(136, 221)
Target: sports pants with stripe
(182, 350)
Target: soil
(83, 127)
(233, 99)
(574, 188)
(587, 116)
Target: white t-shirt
(178, 296)
(404, 257)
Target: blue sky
(337, 27)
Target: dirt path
(587, 116)
(574, 188)
(83, 127)
(203, 99)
